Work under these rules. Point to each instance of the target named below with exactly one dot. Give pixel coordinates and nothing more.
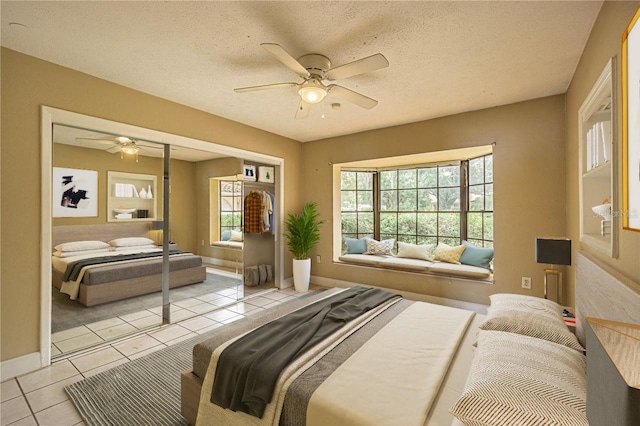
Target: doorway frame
(51, 116)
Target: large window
(357, 204)
(230, 205)
(429, 204)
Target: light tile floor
(38, 398)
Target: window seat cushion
(417, 265)
(461, 270)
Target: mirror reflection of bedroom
(108, 233)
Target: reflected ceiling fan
(314, 69)
(122, 144)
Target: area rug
(145, 391)
(67, 313)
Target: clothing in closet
(253, 213)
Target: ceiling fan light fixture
(312, 92)
(130, 149)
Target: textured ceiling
(445, 57)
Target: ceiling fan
(314, 69)
(122, 144)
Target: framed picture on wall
(249, 172)
(631, 125)
(265, 174)
(75, 192)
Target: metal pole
(166, 311)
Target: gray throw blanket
(249, 367)
(74, 268)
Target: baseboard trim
(476, 307)
(18, 366)
(222, 262)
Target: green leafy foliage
(303, 231)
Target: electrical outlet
(318, 259)
(526, 282)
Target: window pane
(411, 239)
(388, 179)
(488, 226)
(407, 178)
(477, 243)
(449, 176)
(450, 241)
(449, 199)
(365, 223)
(428, 240)
(427, 224)
(449, 224)
(489, 197)
(237, 201)
(226, 219)
(348, 201)
(389, 200)
(407, 223)
(427, 177)
(237, 188)
(488, 168)
(365, 201)
(476, 171)
(428, 200)
(365, 180)
(388, 223)
(474, 225)
(388, 237)
(226, 204)
(476, 198)
(408, 201)
(348, 180)
(349, 223)
(488, 244)
(237, 220)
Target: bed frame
(91, 295)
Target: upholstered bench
(417, 265)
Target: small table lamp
(553, 251)
(157, 225)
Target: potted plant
(302, 234)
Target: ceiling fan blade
(303, 110)
(91, 140)
(284, 57)
(263, 87)
(370, 63)
(353, 97)
(113, 150)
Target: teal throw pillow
(355, 245)
(476, 256)
(226, 235)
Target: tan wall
(529, 193)
(604, 42)
(27, 84)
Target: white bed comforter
(391, 380)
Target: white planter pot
(301, 274)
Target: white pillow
(81, 246)
(415, 251)
(132, 248)
(236, 236)
(383, 247)
(63, 254)
(517, 380)
(529, 316)
(131, 242)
